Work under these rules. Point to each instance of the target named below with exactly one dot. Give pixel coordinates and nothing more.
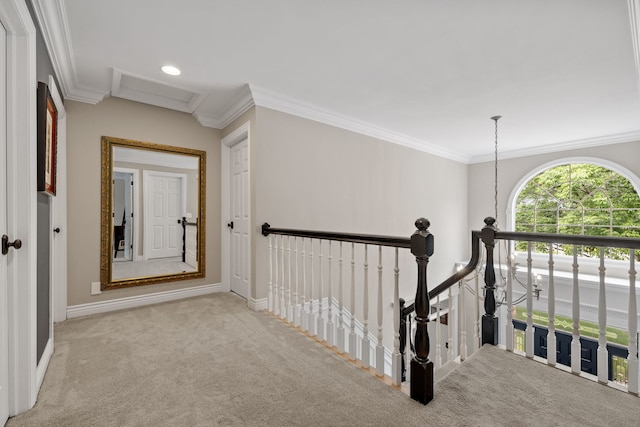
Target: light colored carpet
(210, 361)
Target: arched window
(579, 198)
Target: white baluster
(510, 273)
(320, 324)
(463, 321)
(270, 299)
(330, 324)
(438, 357)
(283, 307)
(529, 332)
(312, 315)
(379, 346)
(603, 356)
(305, 308)
(352, 330)
(365, 313)
(276, 301)
(551, 332)
(396, 358)
(576, 351)
(450, 316)
(289, 287)
(632, 359)
(297, 314)
(341, 329)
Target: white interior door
(165, 208)
(4, 318)
(240, 217)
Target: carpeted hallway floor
(210, 361)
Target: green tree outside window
(584, 199)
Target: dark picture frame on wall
(47, 140)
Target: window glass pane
(578, 199)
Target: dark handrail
(184, 224)
(371, 239)
(578, 239)
(457, 276)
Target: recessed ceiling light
(171, 70)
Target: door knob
(56, 230)
(230, 225)
(6, 244)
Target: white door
(165, 210)
(240, 217)
(4, 319)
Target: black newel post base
(421, 381)
(489, 329)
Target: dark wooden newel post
(421, 366)
(489, 319)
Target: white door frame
(59, 215)
(4, 307)
(58, 245)
(238, 135)
(135, 173)
(21, 202)
(146, 235)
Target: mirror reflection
(153, 213)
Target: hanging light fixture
(495, 180)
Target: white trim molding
(59, 215)
(52, 18)
(242, 103)
(258, 304)
(21, 203)
(140, 300)
(563, 146)
(275, 101)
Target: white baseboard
(140, 300)
(258, 304)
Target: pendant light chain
(495, 181)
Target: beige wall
(125, 119)
(313, 176)
(511, 171)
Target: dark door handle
(56, 230)
(6, 244)
(230, 225)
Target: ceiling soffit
(137, 88)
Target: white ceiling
(427, 74)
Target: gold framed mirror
(152, 214)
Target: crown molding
(52, 19)
(274, 101)
(237, 107)
(562, 146)
(208, 121)
(634, 17)
(241, 104)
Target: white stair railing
(305, 296)
(301, 290)
(581, 318)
